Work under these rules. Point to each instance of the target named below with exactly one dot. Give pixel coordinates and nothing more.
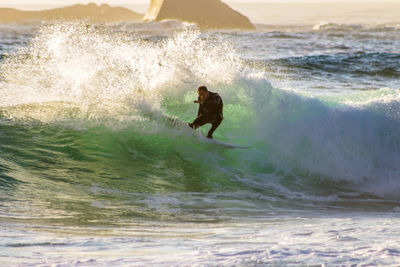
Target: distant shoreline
(139, 8)
(295, 12)
(144, 6)
(92, 12)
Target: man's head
(203, 93)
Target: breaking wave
(98, 109)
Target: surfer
(210, 110)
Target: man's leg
(199, 121)
(214, 127)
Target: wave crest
(107, 72)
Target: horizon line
(231, 2)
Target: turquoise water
(94, 171)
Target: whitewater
(94, 169)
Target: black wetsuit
(210, 112)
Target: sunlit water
(95, 169)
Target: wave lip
(337, 27)
(343, 27)
(165, 25)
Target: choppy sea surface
(93, 172)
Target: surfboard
(227, 145)
(176, 122)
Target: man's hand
(197, 102)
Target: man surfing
(210, 110)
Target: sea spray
(112, 74)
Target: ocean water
(93, 172)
